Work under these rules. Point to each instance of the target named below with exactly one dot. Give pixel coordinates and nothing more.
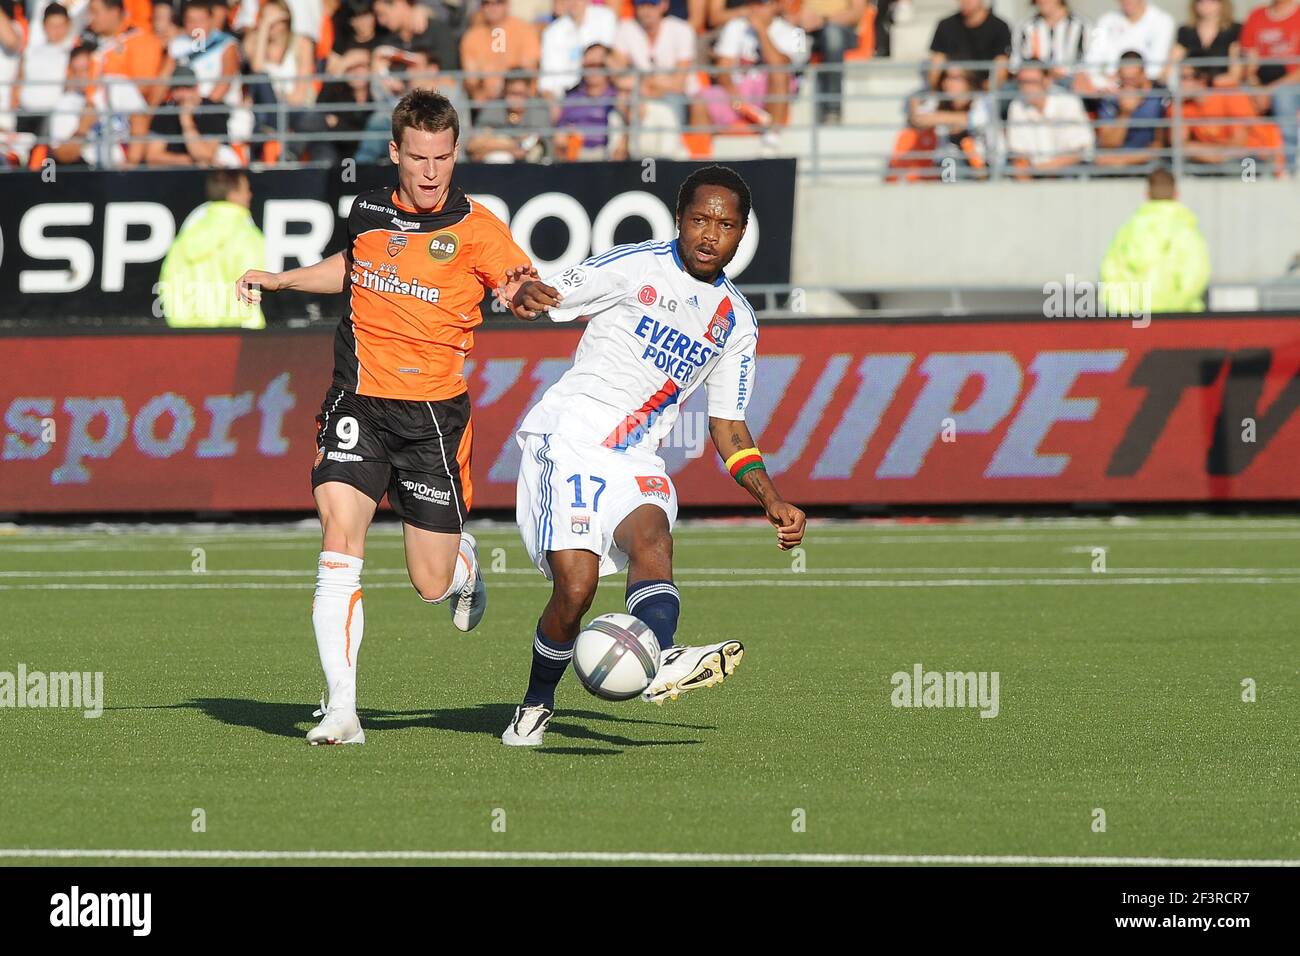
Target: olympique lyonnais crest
(395, 245)
(724, 317)
(580, 524)
(655, 486)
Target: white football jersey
(656, 334)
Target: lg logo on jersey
(650, 296)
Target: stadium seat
(866, 47)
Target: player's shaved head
(715, 175)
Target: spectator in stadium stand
(583, 119)
(210, 253)
(208, 50)
(91, 121)
(12, 41)
(499, 44)
(959, 114)
(1272, 32)
(280, 63)
(44, 66)
(662, 48)
(431, 27)
(656, 131)
(1215, 142)
(186, 132)
(1137, 25)
(165, 25)
(130, 53)
(1210, 32)
(537, 12)
(1055, 36)
(1047, 128)
(721, 12)
(742, 93)
(1158, 255)
(832, 26)
(35, 11)
(512, 130)
(351, 95)
(577, 25)
(404, 73)
(974, 32)
(1122, 117)
(354, 26)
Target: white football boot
(468, 606)
(690, 668)
(339, 727)
(527, 727)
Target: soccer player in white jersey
(593, 496)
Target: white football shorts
(572, 497)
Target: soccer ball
(616, 656)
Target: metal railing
(853, 147)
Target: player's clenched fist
(533, 298)
(253, 283)
(789, 522)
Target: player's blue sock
(550, 659)
(658, 604)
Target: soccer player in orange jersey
(396, 419)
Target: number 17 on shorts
(573, 497)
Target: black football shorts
(418, 453)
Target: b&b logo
(443, 246)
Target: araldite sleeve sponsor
(1204, 408)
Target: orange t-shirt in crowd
(521, 49)
(415, 284)
(139, 13)
(133, 53)
(1224, 106)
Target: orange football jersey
(415, 284)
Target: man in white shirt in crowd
(91, 120)
(1137, 25)
(1047, 127)
(44, 67)
(661, 46)
(744, 93)
(577, 25)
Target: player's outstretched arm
(736, 447)
(533, 298)
(326, 276)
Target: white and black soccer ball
(616, 656)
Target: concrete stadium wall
(1022, 234)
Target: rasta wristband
(743, 462)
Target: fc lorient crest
(724, 317)
(395, 245)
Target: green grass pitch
(1119, 690)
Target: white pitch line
(747, 539)
(632, 857)
(792, 581)
(892, 571)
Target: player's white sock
(338, 619)
(462, 575)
